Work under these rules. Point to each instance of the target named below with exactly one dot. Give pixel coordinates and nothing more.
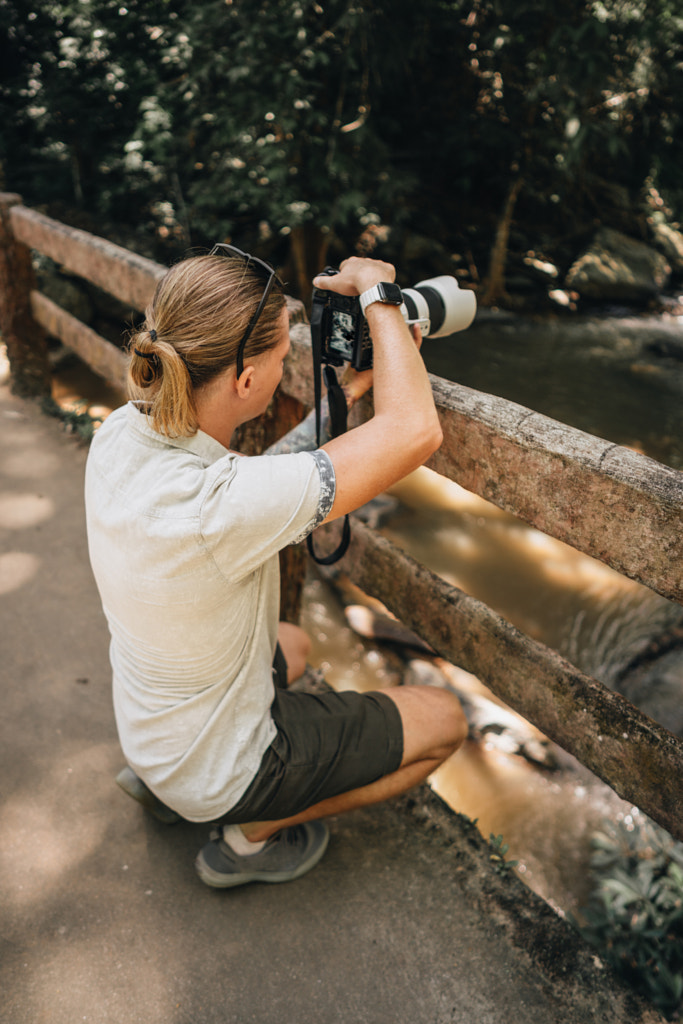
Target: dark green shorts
(326, 744)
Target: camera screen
(342, 333)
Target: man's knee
(452, 719)
(434, 724)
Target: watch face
(390, 293)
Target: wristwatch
(386, 291)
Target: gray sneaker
(288, 854)
(131, 784)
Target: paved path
(102, 917)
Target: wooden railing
(607, 501)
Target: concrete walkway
(102, 917)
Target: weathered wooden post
(253, 438)
(283, 413)
(25, 339)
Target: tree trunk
(494, 286)
(26, 341)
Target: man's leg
(434, 726)
(279, 851)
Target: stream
(618, 378)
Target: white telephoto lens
(460, 305)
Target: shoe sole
(217, 880)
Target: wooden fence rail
(604, 500)
(641, 760)
(129, 277)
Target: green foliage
(635, 915)
(73, 74)
(258, 119)
(267, 115)
(500, 849)
(576, 102)
(283, 114)
(81, 424)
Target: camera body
(438, 306)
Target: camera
(438, 306)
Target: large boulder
(657, 689)
(618, 268)
(669, 241)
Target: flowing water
(619, 378)
(623, 386)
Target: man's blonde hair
(200, 311)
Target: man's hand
(355, 276)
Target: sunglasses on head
(231, 251)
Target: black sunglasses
(222, 249)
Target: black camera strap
(336, 401)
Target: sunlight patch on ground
(41, 464)
(18, 511)
(16, 569)
(37, 848)
(96, 988)
(38, 843)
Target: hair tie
(153, 334)
(151, 356)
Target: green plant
(81, 424)
(635, 913)
(497, 858)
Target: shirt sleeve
(257, 505)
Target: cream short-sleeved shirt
(183, 538)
